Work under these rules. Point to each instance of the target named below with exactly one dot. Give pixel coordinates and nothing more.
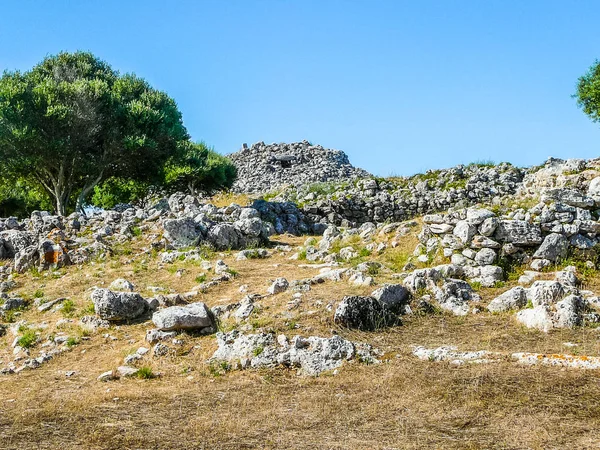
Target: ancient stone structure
(264, 167)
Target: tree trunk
(60, 201)
(85, 192)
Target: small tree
(588, 92)
(200, 168)
(72, 122)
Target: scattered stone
(116, 306)
(278, 286)
(194, 316)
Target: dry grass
(223, 199)
(401, 403)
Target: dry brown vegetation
(401, 403)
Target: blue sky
(401, 86)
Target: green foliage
(476, 285)
(364, 252)
(71, 341)
(89, 309)
(9, 316)
(373, 270)
(482, 163)
(117, 190)
(27, 339)
(258, 350)
(68, 307)
(201, 278)
(588, 92)
(145, 373)
(200, 168)
(38, 293)
(18, 199)
(72, 121)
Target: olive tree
(200, 168)
(72, 121)
(588, 92)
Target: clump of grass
(200, 278)
(258, 350)
(89, 309)
(145, 373)
(68, 307)
(482, 163)
(396, 259)
(302, 255)
(71, 341)
(136, 231)
(27, 339)
(373, 270)
(476, 285)
(38, 293)
(364, 252)
(9, 316)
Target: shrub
(68, 307)
(145, 373)
(27, 339)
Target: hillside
(458, 308)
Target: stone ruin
(264, 167)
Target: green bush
(27, 339)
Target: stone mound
(266, 167)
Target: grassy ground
(401, 403)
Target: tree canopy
(588, 92)
(72, 121)
(200, 168)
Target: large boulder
(554, 248)
(364, 313)
(571, 197)
(224, 236)
(195, 316)
(518, 232)
(394, 296)
(14, 241)
(118, 306)
(514, 298)
(545, 292)
(182, 232)
(594, 189)
(539, 317)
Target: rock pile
(264, 167)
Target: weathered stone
(278, 286)
(364, 313)
(111, 305)
(195, 316)
(518, 232)
(514, 298)
(570, 197)
(394, 296)
(554, 248)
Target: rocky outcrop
(312, 355)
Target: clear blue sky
(401, 86)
